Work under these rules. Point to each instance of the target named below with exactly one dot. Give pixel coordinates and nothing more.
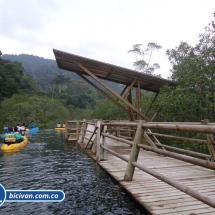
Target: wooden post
(104, 143)
(66, 131)
(98, 124)
(138, 98)
(148, 139)
(91, 136)
(94, 143)
(77, 131)
(210, 141)
(118, 131)
(134, 152)
(84, 130)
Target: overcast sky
(101, 29)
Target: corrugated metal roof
(109, 72)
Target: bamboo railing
(145, 139)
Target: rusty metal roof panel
(109, 72)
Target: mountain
(44, 70)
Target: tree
(28, 84)
(193, 69)
(24, 108)
(143, 57)
(76, 86)
(107, 110)
(10, 78)
(60, 80)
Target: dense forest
(34, 89)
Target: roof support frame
(133, 108)
(104, 93)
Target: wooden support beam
(104, 143)
(123, 90)
(119, 139)
(78, 130)
(151, 103)
(210, 141)
(208, 129)
(98, 124)
(138, 99)
(196, 154)
(155, 114)
(113, 92)
(196, 161)
(91, 136)
(129, 88)
(148, 131)
(66, 131)
(177, 138)
(148, 139)
(134, 152)
(104, 93)
(131, 114)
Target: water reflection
(47, 162)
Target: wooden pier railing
(140, 137)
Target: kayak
(59, 128)
(13, 146)
(33, 130)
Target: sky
(103, 30)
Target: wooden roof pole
(131, 114)
(104, 93)
(151, 103)
(113, 92)
(131, 85)
(138, 98)
(127, 89)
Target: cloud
(102, 30)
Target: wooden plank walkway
(156, 196)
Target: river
(48, 163)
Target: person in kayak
(21, 130)
(63, 126)
(15, 129)
(58, 125)
(11, 136)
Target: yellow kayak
(59, 128)
(13, 146)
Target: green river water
(48, 163)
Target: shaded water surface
(48, 163)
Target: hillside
(44, 70)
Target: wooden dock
(156, 196)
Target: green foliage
(43, 70)
(193, 69)
(10, 78)
(107, 110)
(23, 108)
(29, 84)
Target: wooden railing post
(66, 131)
(104, 143)
(98, 125)
(210, 141)
(84, 130)
(77, 131)
(134, 152)
(90, 139)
